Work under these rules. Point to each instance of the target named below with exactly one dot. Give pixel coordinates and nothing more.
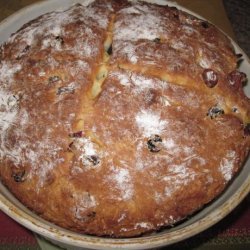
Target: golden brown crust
(125, 139)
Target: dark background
(238, 12)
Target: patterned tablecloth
(233, 232)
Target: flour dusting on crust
(140, 16)
(178, 177)
(83, 202)
(227, 165)
(8, 70)
(150, 123)
(123, 182)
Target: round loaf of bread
(119, 118)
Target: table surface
(233, 232)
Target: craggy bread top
(120, 118)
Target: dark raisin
(77, 134)
(13, 100)
(236, 79)
(17, 97)
(154, 143)
(71, 146)
(32, 62)
(235, 110)
(91, 215)
(110, 50)
(49, 178)
(157, 40)
(176, 15)
(93, 159)
(19, 176)
(210, 77)
(54, 79)
(173, 8)
(247, 129)
(26, 49)
(87, 217)
(79, 22)
(215, 112)
(59, 39)
(23, 52)
(67, 89)
(205, 25)
(239, 55)
(175, 12)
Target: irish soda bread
(120, 117)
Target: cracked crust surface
(120, 118)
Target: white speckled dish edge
(204, 219)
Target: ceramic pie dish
(200, 221)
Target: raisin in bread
(120, 118)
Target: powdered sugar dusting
(7, 71)
(83, 202)
(79, 66)
(51, 42)
(150, 123)
(100, 18)
(50, 25)
(87, 149)
(142, 83)
(123, 182)
(227, 165)
(140, 24)
(8, 115)
(143, 225)
(8, 109)
(53, 26)
(121, 218)
(179, 176)
(123, 77)
(135, 23)
(42, 155)
(129, 50)
(33, 146)
(205, 63)
(138, 83)
(169, 143)
(13, 121)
